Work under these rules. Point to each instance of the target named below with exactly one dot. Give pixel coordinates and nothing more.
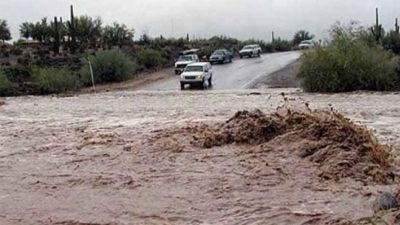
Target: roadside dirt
(139, 81)
(141, 158)
(285, 78)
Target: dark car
(221, 56)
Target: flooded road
(103, 159)
(241, 74)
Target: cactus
(71, 27)
(397, 28)
(62, 31)
(187, 38)
(273, 36)
(56, 36)
(377, 30)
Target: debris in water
(385, 202)
(340, 147)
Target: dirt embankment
(338, 147)
(285, 78)
(139, 81)
(318, 150)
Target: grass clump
(108, 66)
(347, 63)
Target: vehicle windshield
(185, 58)
(218, 53)
(248, 47)
(306, 42)
(194, 69)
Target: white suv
(306, 44)
(250, 51)
(197, 74)
(183, 61)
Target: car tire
(210, 81)
(251, 56)
(203, 85)
(241, 56)
(182, 86)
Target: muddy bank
(339, 148)
(285, 78)
(119, 158)
(138, 82)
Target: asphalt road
(241, 74)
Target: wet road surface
(241, 74)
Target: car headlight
(199, 77)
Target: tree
(88, 30)
(26, 30)
(302, 35)
(145, 39)
(40, 31)
(5, 34)
(117, 35)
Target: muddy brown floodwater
(130, 158)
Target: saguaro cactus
(72, 32)
(62, 31)
(377, 30)
(56, 36)
(397, 28)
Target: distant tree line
(77, 33)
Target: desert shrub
(347, 64)
(7, 87)
(392, 42)
(150, 58)
(281, 45)
(54, 80)
(17, 73)
(108, 66)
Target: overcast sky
(203, 18)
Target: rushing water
(92, 159)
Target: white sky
(204, 18)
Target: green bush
(17, 74)
(150, 58)
(7, 87)
(108, 66)
(392, 42)
(280, 45)
(53, 80)
(347, 64)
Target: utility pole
(92, 75)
